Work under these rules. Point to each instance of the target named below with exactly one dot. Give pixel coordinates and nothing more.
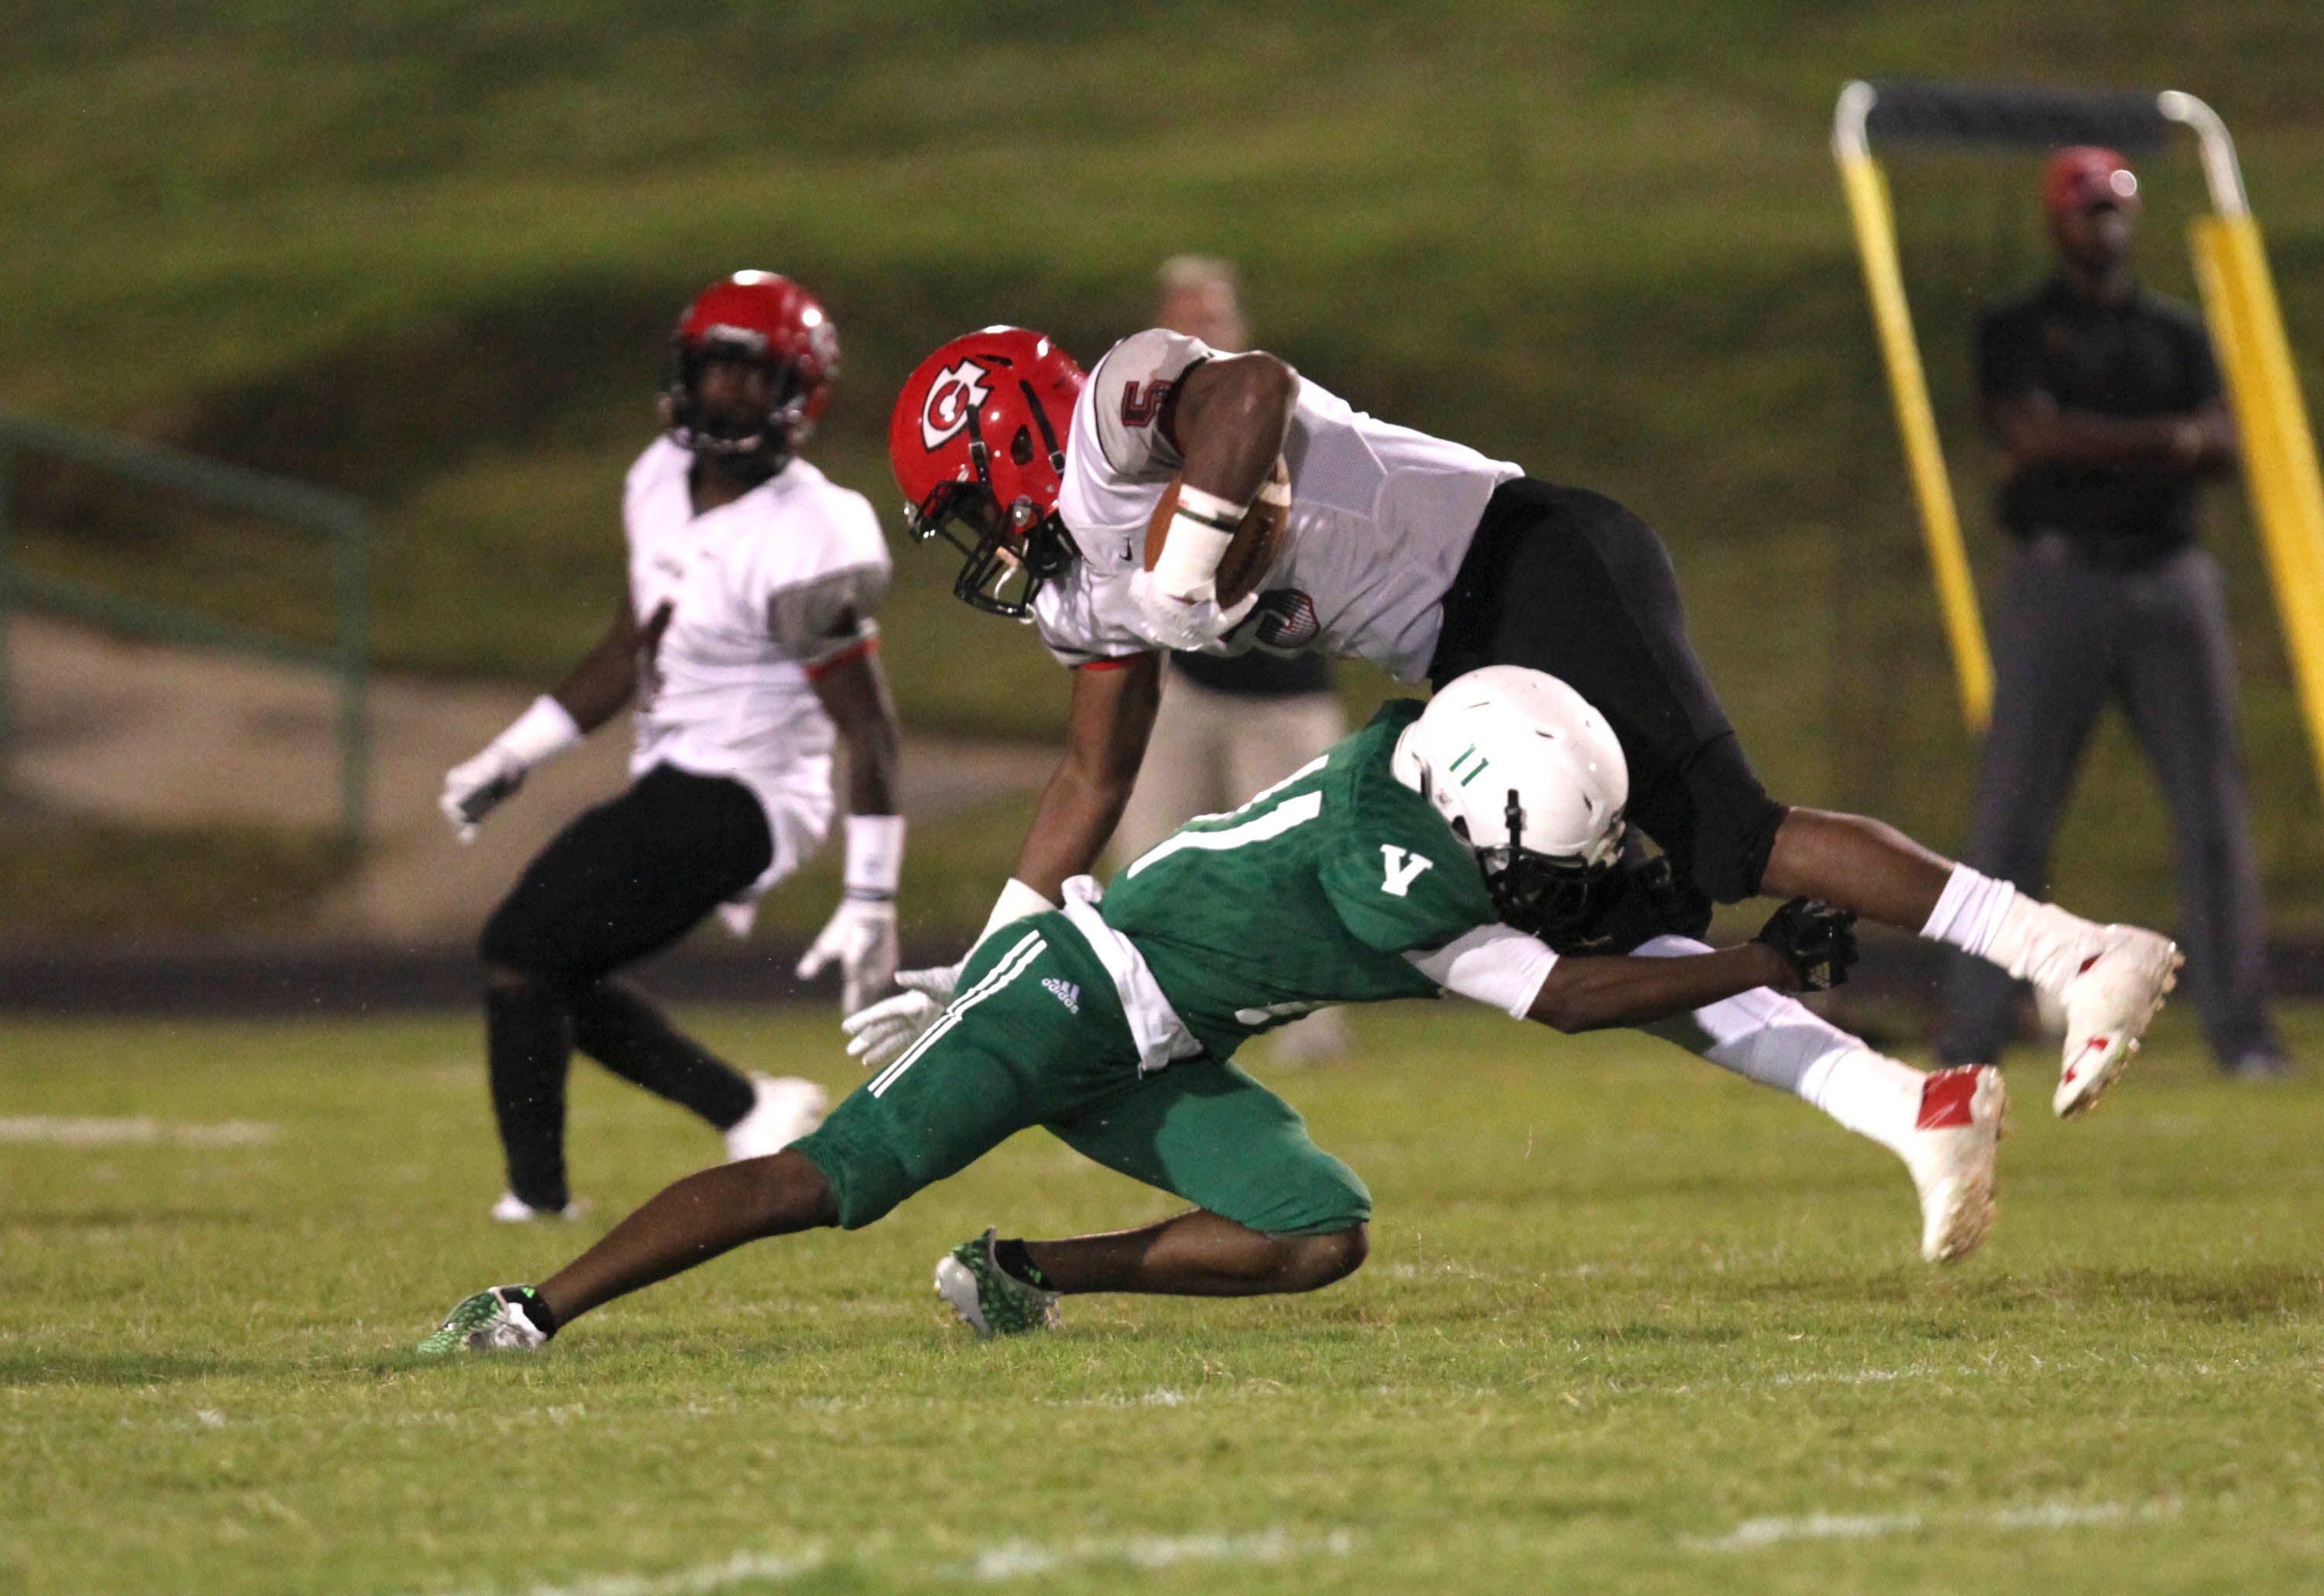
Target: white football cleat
(2109, 1001)
(786, 1109)
(512, 1209)
(1951, 1153)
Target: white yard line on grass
(1755, 1532)
(2020, 1367)
(1159, 1397)
(1018, 1560)
(1011, 1560)
(61, 1130)
(710, 1577)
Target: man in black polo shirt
(2105, 403)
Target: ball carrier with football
(1430, 559)
(745, 635)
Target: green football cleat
(490, 1320)
(989, 1299)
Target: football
(1257, 541)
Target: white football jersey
(761, 593)
(1380, 519)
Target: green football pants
(1036, 1035)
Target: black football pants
(1567, 581)
(625, 879)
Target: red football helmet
(978, 443)
(771, 322)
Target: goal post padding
(2011, 117)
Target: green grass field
(1628, 1325)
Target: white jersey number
(1281, 819)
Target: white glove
(882, 1033)
(475, 788)
(862, 936)
(1193, 622)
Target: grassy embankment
(429, 258)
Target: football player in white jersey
(745, 635)
(1430, 560)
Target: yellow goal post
(2239, 303)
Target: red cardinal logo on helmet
(978, 443)
(953, 393)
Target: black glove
(1639, 901)
(1816, 939)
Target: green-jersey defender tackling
(1457, 848)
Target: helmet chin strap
(1048, 433)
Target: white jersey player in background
(1430, 560)
(745, 634)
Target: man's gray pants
(2071, 636)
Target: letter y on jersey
(1403, 868)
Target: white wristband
(875, 855)
(544, 730)
(1202, 529)
(1016, 901)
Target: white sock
(2033, 940)
(2041, 943)
(1870, 1093)
(1968, 910)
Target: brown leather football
(1252, 554)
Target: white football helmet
(1531, 777)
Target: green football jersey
(1308, 895)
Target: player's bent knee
(506, 945)
(1734, 837)
(520, 934)
(1312, 1262)
(1302, 1197)
(784, 1192)
(863, 1179)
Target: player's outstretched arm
(1110, 716)
(1804, 946)
(589, 696)
(1589, 993)
(862, 933)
